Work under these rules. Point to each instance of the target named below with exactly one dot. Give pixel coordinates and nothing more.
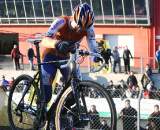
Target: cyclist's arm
(49, 40)
(91, 40)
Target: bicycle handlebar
(80, 52)
(87, 53)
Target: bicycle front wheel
(22, 103)
(96, 110)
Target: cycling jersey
(61, 29)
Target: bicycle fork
(79, 95)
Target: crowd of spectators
(131, 87)
(113, 57)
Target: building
(134, 23)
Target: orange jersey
(61, 29)
(65, 33)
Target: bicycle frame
(75, 78)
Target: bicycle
(73, 99)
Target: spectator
(105, 52)
(116, 59)
(11, 82)
(119, 91)
(104, 125)
(151, 90)
(94, 117)
(126, 58)
(146, 94)
(158, 58)
(146, 77)
(115, 91)
(148, 70)
(129, 116)
(31, 55)
(111, 88)
(4, 83)
(15, 53)
(154, 119)
(132, 84)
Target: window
(66, 7)
(107, 7)
(47, 9)
(124, 12)
(75, 3)
(128, 7)
(11, 9)
(129, 11)
(3, 13)
(118, 9)
(140, 8)
(38, 8)
(29, 8)
(29, 11)
(97, 11)
(20, 9)
(57, 8)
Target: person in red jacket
(15, 54)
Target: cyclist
(62, 38)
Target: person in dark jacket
(154, 119)
(129, 116)
(116, 59)
(132, 84)
(95, 118)
(31, 55)
(126, 58)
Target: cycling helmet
(83, 15)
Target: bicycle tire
(62, 109)
(16, 90)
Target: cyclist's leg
(48, 75)
(65, 73)
(65, 76)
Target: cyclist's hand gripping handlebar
(99, 68)
(87, 53)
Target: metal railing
(137, 64)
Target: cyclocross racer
(61, 37)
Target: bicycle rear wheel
(102, 115)
(22, 103)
